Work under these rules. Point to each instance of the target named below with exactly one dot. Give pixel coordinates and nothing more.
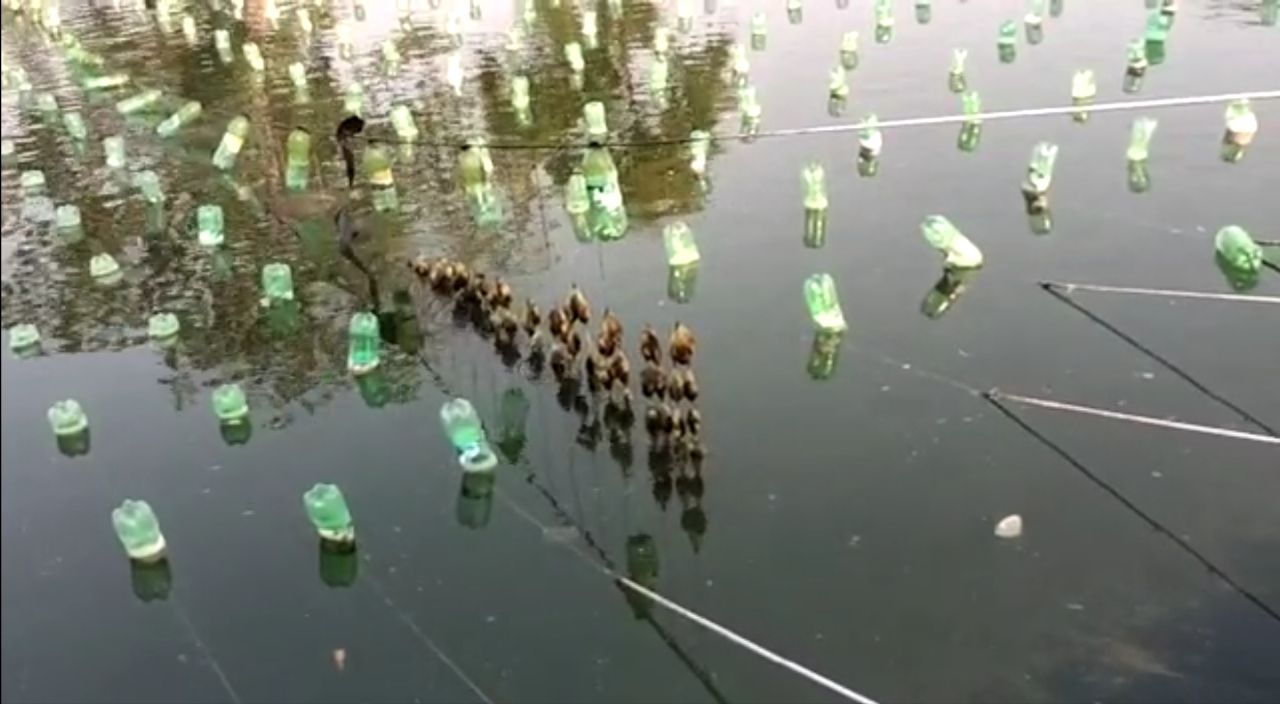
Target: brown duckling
(606, 344)
(620, 368)
(682, 344)
(597, 372)
(657, 419)
(440, 276)
(422, 265)
(500, 294)
(461, 276)
(561, 361)
(675, 386)
(532, 317)
(650, 349)
(506, 327)
(692, 422)
(688, 384)
(610, 326)
(653, 381)
(558, 323)
(574, 343)
(577, 305)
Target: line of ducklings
(488, 304)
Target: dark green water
(845, 523)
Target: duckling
(574, 343)
(532, 317)
(597, 373)
(653, 382)
(677, 422)
(500, 294)
(561, 361)
(558, 323)
(422, 265)
(620, 368)
(692, 422)
(440, 276)
(577, 305)
(610, 326)
(606, 344)
(675, 386)
(506, 328)
(650, 349)
(682, 344)
(657, 419)
(689, 385)
(461, 276)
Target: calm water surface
(845, 522)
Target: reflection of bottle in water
(150, 581)
(759, 31)
(475, 500)
(1139, 176)
(297, 160)
(682, 282)
(945, 292)
(642, 567)
(1007, 42)
(815, 228)
(339, 564)
(824, 354)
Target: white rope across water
(1067, 287)
(1143, 420)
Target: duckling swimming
(657, 419)
(561, 361)
(650, 349)
(577, 305)
(675, 386)
(461, 276)
(688, 383)
(682, 344)
(692, 422)
(597, 372)
(532, 318)
(506, 328)
(620, 369)
(610, 326)
(500, 294)
(574, 344)
(558, 323)
(653, 381)
(606, 345)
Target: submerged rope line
(993, 397)
(1068, 287)
(1149, 104)
(706, 623)
(1166, 363)
(1142, 420)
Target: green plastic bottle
(113, 148)
(402, 122)
(73, 121)
(229, 404)
(699, 148)
(138, 103)
(297, 159)
(23, 337)
(474, 164)
(823, 303)
(1238, 249)
(67, 217)
(68, 418)
(466, 433)
(363, 343)
(573, 55)
(138, 530)
(576, 199)
(1040, 171)
(759, 32)
(1140, 138)
(1007, 44)
(232, 142)
(681, 247)
(328, 512)
(377, 167)
(277, 283)
(104, 268)
(185, 115)
(148, 183)
(163, 326)
(960, 252)
(593, 116)
(815, 187)
(956, 80)
(209, 226)
(112, 80)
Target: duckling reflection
(693, 519)
(946, 291)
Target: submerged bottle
(573, 54)
(377, 167)
(594, 118)
(849, 50)
(815, 187)
(209, 229)
(113, 148)
(955, 76)
(232, 142)
(1242, 124)
(277, 283)
(838, 83)
(138, 530)
(1238, 250)
(960, 252)
(162, 326)
(363, 343)
(138, 102)
(297, 159)
(67, 418)
(466, 433)
(229, 404)
(185, 114)
(699, 146)
(824, 305)
(149, 184)
(23, 337)
(1040, 171)
(329, 514)
(1140, 138)
(1007, 44)
(680, 245)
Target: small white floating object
(453, 72)
(1009, 527)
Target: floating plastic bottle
(110, 80)
(277, 282)
(475, 165)
(659, 70)
(305, 25)
(956, 81)
(1033, 21)
(23, 337)
(682, 248)
(67, 418)
(1084, 87)
(466, 433)
(138, 102)
(343, 38)
(298, 74)
(1242, 124)
(353, 99)
(739, 63)
(594, 117)
(684, 15)
(148, 183)
(1040, 171)
(795, 11)
(377, 167)
(185, 115)
(884, 13)
(1007, 44)
(971, 103)
(253, 56)
(960, 252)
(229, 404)
(589, 24)
(815, 187)
(453, 72)
(1140, 138)
(189, 28)
(390, 53)
(1157, 30)
(748, 105)
(163, 326)
(222, 42)
(520, 92)
(924, 11)
(1269, 10)
(232, 141)
(363, 343)
(1238, 250)
(576, 199)
(209, 228)
(573, 54)
(759, 31)
(402, 120)
(327, 510)
(1137, 58)
(699, 146)
(46, 102)
(849, 50)
(138, 530)
(824, 305)
(838, 83)
(7, 148)
(297, 159)
(870, 138)
(66, 218)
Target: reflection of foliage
(225, 333)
